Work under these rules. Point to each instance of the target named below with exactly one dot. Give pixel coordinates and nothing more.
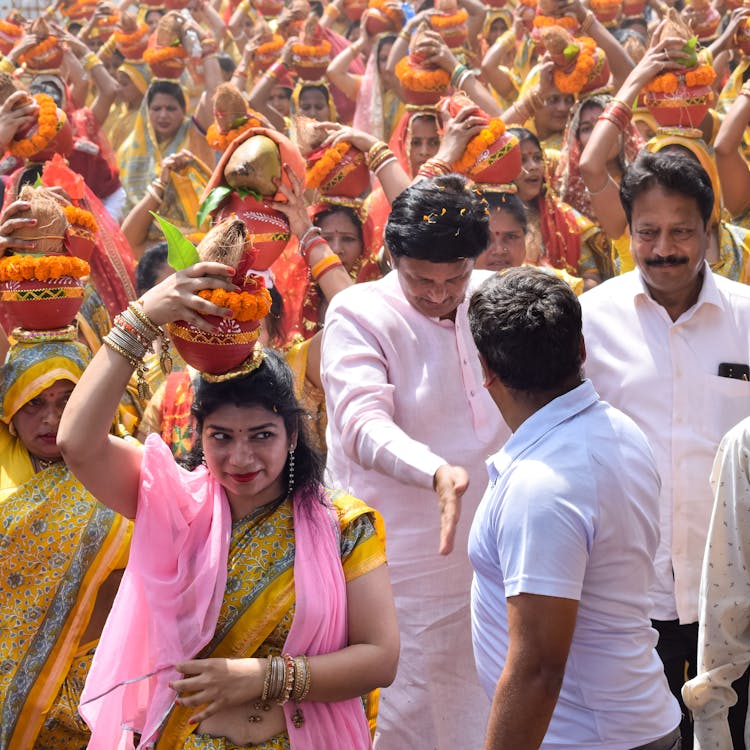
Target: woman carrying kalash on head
(256, 609)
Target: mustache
(669, 260)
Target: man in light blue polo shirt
(563, 541)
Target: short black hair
(674, 172)
(526, 324)
(226, 63)
(271, 386)
(170, 88)
(510, 203)
(149, 266)
(440, 219)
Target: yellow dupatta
(249, 625)
(140, 158)
(58, 546)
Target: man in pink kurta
(405, 401)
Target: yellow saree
(258, 605)
(140, 158)
(58, 545)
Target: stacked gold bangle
(435, 167)
(745, 90)
(156, 184)
(587, 22)
(131, 337)
(378, 156)
(529, 103)
(90, 60)
(287, 678)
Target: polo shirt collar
(540, 423)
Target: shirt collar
(708, 295)
(540, 423)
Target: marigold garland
(393, 14)
(245, 305)
(41, 267)
(80, 217)
(11, 29)
(479, 143)
(605, 4)
(318, 172)
(220, 141)
(322, 49)
(40, 50)
(442, 22)
(125, 39)
(666, 83)
(573, 82)
(82, 7)
(565, 22)
(47, 127)
(415, 79)
(162, 54)
(268, 48)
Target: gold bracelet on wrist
(90, 60)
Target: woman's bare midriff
(235, 724)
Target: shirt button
(472, 393)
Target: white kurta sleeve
(724, 630)
(360, 402)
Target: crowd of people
(375, 375)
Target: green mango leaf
(38, 182)
(181, 252)
(212, 202)
(690, 49)
(239, 122)
(249, 192)
(571, 51)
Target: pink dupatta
(320, 627)
(169, 601)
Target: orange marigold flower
(317, 173)
(245, 305)
(79, 217)
(47, 127)
(479, 143)
(220, 141)
(126, 39)
(573, 82)
(321, 49)
(448, 21)
(415, 79)
(566, 22)
(160, 54)
(667, 83)
(42, 267)
(38, 50)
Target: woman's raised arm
(108, 466)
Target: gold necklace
(40, 464)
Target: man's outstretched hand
(450, 483)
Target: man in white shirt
(563, 542)
(724, 633)
(407, 415)
(668, 344)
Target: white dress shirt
(724, 632)
(404, 396)
(664, 375)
